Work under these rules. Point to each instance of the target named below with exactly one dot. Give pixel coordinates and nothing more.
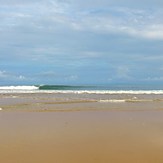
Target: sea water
(73, 89)
(101, 93)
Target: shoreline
(72, 102)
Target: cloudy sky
(81, 42)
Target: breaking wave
(18, 87)
(64, 89)
(8, 89)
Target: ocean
(88, 89)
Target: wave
(65, 89)
(19, 88)
(61, 87)
(100, 92)
(128, 100)
(95, 90)
(121, 92)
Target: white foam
(18, 88)
(101, 91)
(112, 101)
(0, 109)
(104, 92)
(34, 89)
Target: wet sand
(44, 102)
(117, 133)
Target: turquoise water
(102, 87)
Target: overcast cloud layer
(81, 42)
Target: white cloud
(154, 79)
(154, 32)
(151, 58)
(52, 15)
(21, 77)
(123, 72)
(136, 23)
(51, 75)
(71, 78)
(4, 75)
(48, 74)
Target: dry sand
(85, 135)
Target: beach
(81, 81)
(77, 128)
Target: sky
(81, 42)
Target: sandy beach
(81, 81)
(36, 128)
